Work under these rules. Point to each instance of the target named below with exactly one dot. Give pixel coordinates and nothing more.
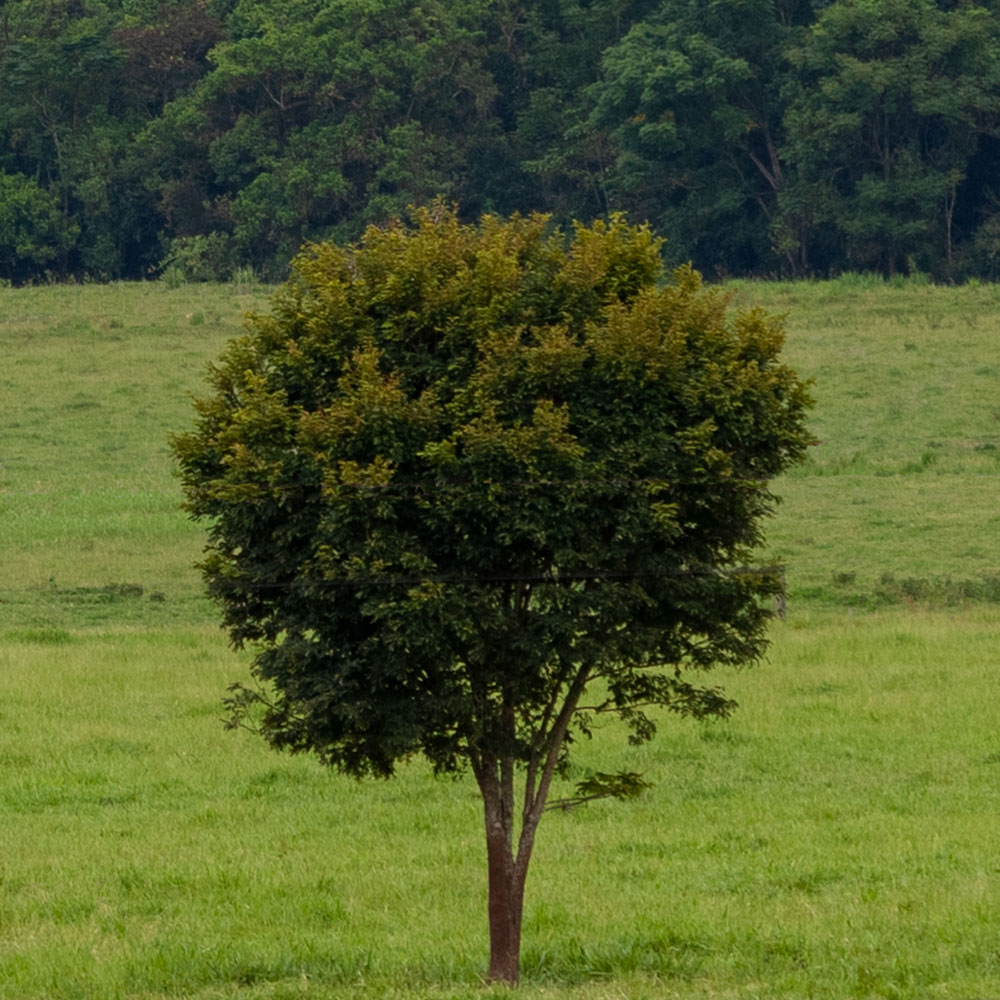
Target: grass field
(838, 838)
(94, 379)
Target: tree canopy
(470, 487)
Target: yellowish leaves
(373, 475)
(529, 446)
(555, 357)
(550, 424)
(419, 271)
(252, 446)
(612, 257)
(371, 415)
(318, 296)
(761, 334)
(637, 339)
(365, 392)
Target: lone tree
(461, 477)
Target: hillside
(902, 485)
(836, 838)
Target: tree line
(767, 137)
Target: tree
(78, 81)
(691, 99)
(320, 116)
(545, 56)
(890, 101)
(32, 230)
(471, 487)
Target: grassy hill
(837, 838)
(95, 378)
(898, 500)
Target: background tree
(886, 111)
(470, 487)
(766, 136)
(319, 116)
(544, 55)
(691, 99)
(79, 80)
(32, 229)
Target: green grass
(903, 481)
(905, 477)
(837, 838)
(94, 379)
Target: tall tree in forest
(886, 109)
(546, 54)
(33, 232)
(78, 80)
(321, 115)
(56, 67)
(692, 100)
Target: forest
(773, 138)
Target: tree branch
(537, 746)
(533, 811)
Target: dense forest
(766, 137)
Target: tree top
(460, 468)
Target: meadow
(837, 838)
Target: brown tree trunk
(506, 876)
(508, 870)
(506, 904)
(949, 212)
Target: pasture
(837, 838)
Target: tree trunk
(949, 212)
(506, 877)
(506, 904)
(508, 870)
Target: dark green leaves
(621, 786)
(463, 471)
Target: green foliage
(691, 100)
(68, 115)
(885, 112)
(199, 258)
(318, 117)
(803, 138)
(32, 230)
(460, 471)
(550, 56)
(600, 785)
